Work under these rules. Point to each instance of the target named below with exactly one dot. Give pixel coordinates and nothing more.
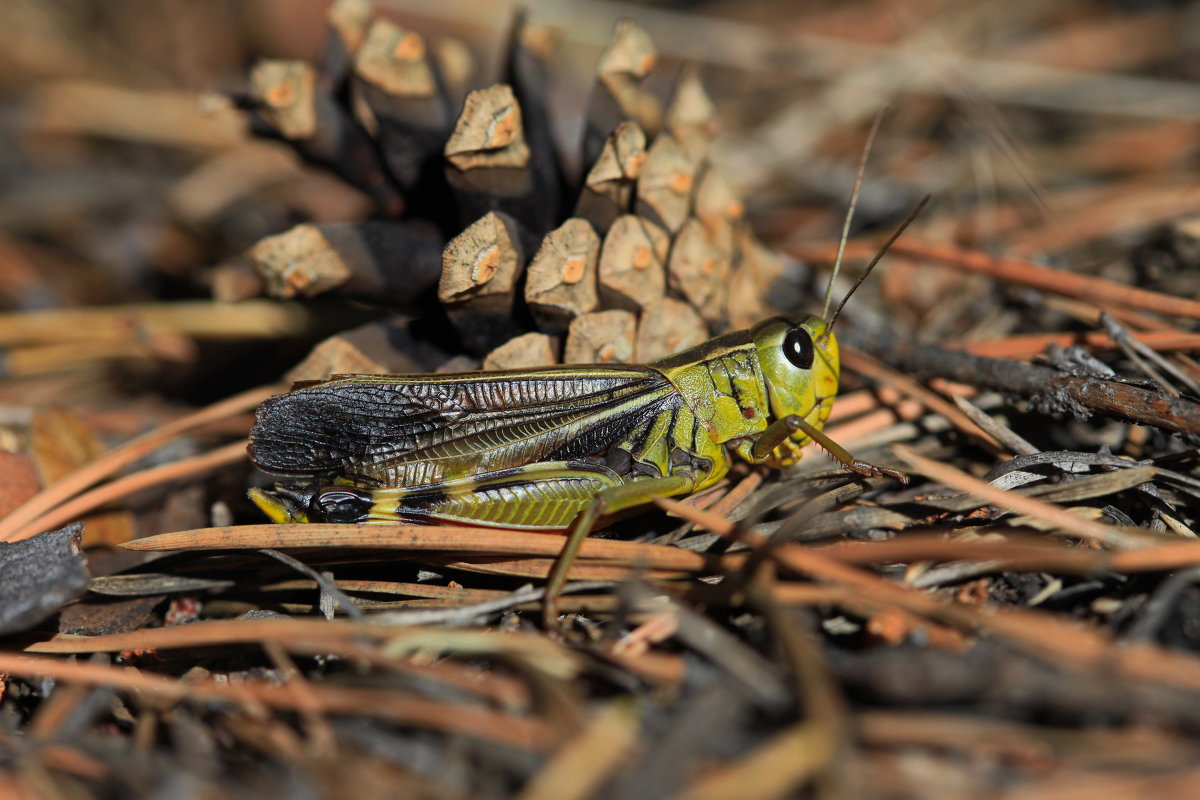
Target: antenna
(858, 181)
(912, 215)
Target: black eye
(798, 348)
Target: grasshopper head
(799, 359)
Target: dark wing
(405, 430)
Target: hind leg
(609, 501)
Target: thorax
(722, 383)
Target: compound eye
(798, 348)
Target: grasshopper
(535, 448)
(552, 448)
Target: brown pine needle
(122, 487)
(1040, 510)
(734, 497)
(120, 457)
(302, 635)
(709, 520)
(256, 696)
(1013, 270)
(203, 319)
(446, 539)
(1055, 281)
(1028, 345)
(581, 763)
(538, 568)
(776, 769)
(863, 364)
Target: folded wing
(406, 430)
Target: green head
(799, 360)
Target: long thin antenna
(858, 181)
(912, 215)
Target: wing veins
(349, 425)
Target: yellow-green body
(535, 448)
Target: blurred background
(1047, 129)
(205, 197)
